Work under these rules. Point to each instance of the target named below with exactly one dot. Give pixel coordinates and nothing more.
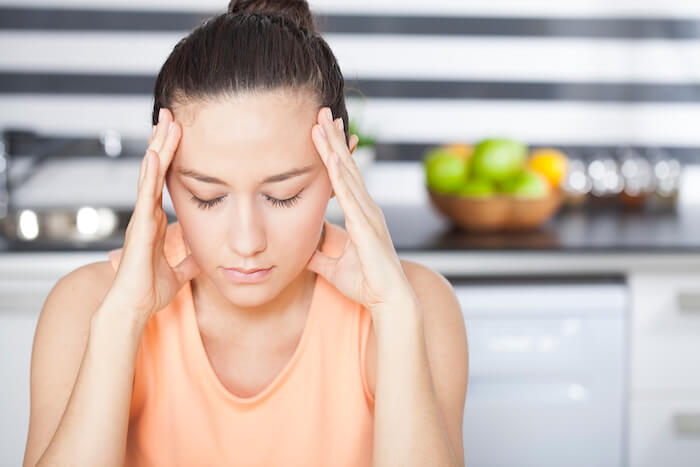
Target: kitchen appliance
(547, 372)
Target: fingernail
(153, 131)
(170, 127)
(339, 124)
(160, 115)
(323, 132)
(329, 114)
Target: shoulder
(60, 339)
(91, 280)
(442, 313)
(446, 344)
(73, 299)
(69, 306)
(428, 284)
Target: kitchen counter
(574, 242)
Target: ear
(352, 144)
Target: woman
(334, 352)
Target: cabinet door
(546, 374)
(665, 431)
(665, 332)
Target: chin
(247, 295)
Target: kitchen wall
(578, 74)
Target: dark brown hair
(263, 45)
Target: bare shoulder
(430, 285)
(446, 344)
(444, 326)
(76, 296)
(60, 340)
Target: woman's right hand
(145, 282)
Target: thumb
(322, 264)
(186, 270)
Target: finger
(145, 200)
(164, 119)
(186, 270)
(336, 138)
(142, 171)
(322, 264)
(354, 179)
(166, 154)
(354, 214)
(325, 149)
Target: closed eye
(210, 203)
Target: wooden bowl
(499, 212)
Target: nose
(246, 236)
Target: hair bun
(297, 11)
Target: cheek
(295, 231)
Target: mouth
(247, 271)
(246, 276)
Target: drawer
(664, 432)
(665, 331)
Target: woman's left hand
(368, 271)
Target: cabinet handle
(687, 424)
(689, 302)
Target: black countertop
(420, 228)
(580, 230)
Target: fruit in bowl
(527, 184)
(551, 163)
(495, 187)
(477, 187)
(445, 169)
(497, 159)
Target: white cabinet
(664, 420)
(25, 282)
(20, 304)
(665, 431)
(547, 371)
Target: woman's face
(235, 206)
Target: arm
(419, 397)
(93, 427)
(422, 372)
(82, 374)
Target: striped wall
(578, 74)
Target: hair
(256, 46)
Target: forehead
(255, 133)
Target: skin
(417, 344)
(242, 140)
(421, 346)
(245, 229)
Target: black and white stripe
(582, 76)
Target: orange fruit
(461, 150)
(550, 162)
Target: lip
(241, 277)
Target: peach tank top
(318, 411)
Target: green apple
(477, 187)
(526, 184)
(444, 170)
(497, 159)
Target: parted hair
(256, 46)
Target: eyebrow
(274, 178)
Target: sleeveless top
(318, 411)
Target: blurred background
(541, 155)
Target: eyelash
(210, 203)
